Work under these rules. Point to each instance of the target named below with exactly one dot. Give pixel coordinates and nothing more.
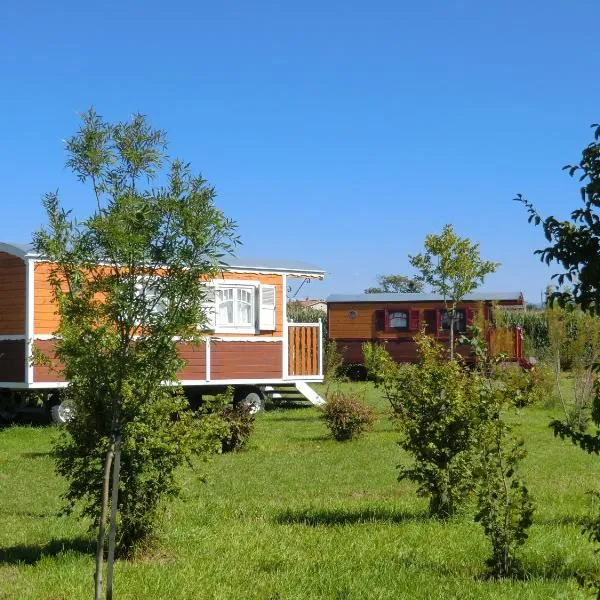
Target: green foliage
(346, 415)
(453, 268)
(397, 284)
(534, 325)
(332, 361)
(298, 313)
(435, 406)
(504, 505)
(126, 282)
(575, 244)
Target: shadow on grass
(287, 405)
(330, 518)
(31, 554)
(34, 454)
(562, 521)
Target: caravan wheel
(62, 413)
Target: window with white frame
(235, 306)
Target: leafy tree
(126, 281)
(504, 505)
(452, 266)
(575, 244)
(396, 283)
(436, 410)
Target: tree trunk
(452, 319)
(102, 526)
(112, 533)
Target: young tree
(453, 268)
(575, 246)
(126, 281)
(435, 407)
(396, 284)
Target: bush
(232, 423)
(239, 424)
(346, 415)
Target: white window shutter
(267, 321)
(209, 305)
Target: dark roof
(397, 297)
(233, 262)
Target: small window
(398, 319)
(459, 320)
(235, 306)
(148, 288)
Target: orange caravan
(251, 347)
(393, 319)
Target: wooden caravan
(393, 319)
(250, 344)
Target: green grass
(297, 516)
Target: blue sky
(339, 133)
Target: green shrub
(332, 363)
(346, 415)
(436, 409)
(239, 424)
(232, 423)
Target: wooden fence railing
(305, 350)
(507, 341)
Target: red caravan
(250, 345)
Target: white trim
(320, 348)
(37, 385)
(315, 274)
(207, 367)
(284, 326)
(242, 338)
(257, 382)
(6, 338)
(275, 271)
(176, 338)
(29, 318)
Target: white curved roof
(295, 267)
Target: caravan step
(297, 390)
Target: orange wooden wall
(12, 295)
(341, 326)
(46, 317)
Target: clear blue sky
(339, 133)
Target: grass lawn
(297, 516)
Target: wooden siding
(404, 350)
(228, 360)
(47, 373)
(246, 360)
(47, 320)
(12, 295)
(195, 355)
(303, 351)
(45, 313)
(12, 361)
(340, 326)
